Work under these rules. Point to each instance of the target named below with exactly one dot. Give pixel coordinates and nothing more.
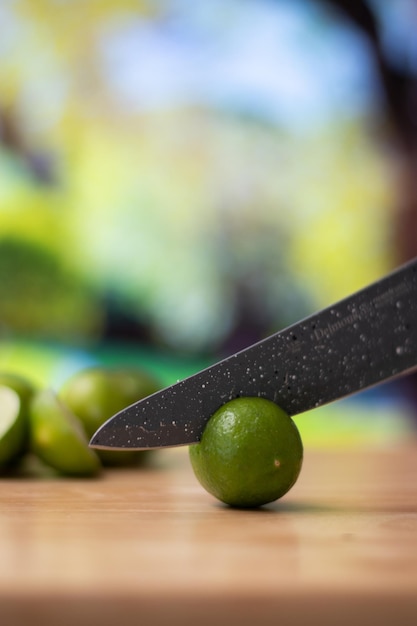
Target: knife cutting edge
(364, 339)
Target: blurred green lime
(12, 425)
(23, 387)
(25, 390)
(250, 453)
(58, 438)
(95, 394)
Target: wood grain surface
(152, 547)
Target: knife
(366, 338)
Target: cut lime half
(12, 425)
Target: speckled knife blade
(359, 342)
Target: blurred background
(179, 179)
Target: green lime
(250, 453)
(25, 390)
(96, 394)
(12, 425)
(58, 438)
(23, 387)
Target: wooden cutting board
(152, 547)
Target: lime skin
(15, 443)
(12, 426)
(97, 393)
(21, 385)
(250, 453)
(57, 437)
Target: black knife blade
(364, 339)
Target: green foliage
(40, 296)
(170, 209)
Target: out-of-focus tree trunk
(400, 91)
(399, 86)
(39, 164)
